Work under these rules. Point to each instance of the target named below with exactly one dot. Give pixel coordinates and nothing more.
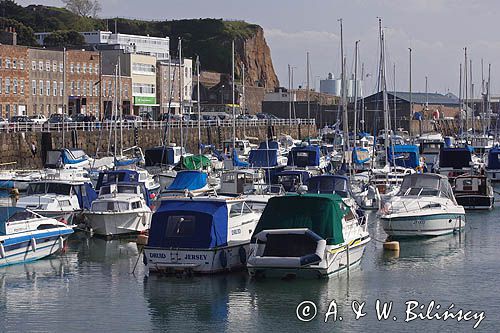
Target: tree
(84, 8)
(64, 39)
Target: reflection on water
(91, 284)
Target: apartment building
(168, 82)
(14, 80)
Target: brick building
(83, 74)
(108, 94)
(168, 81)
(14, 76)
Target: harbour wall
(17, 147)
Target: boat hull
(423, 225)
(476, 202)
(118, 223)
(198, 261)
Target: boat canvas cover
(5, 214)
(263, 158)
(329, 184)
(456, 158)
(320, 213)
(128, 162)
(269, 145)
(195, 162)
(85, 194)
(236, 160)
(188, 180)
(159, 156)
(304, 156)
(427, 181)
(406, 156)
(189, 224)
(73, 157)
(493, 160)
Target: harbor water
(91, 288)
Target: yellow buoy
(142, 240)
(391, 246)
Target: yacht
(120, 209)
(126, 175)
(27, 236)
(430, 145)
(424, 206)
(474, 192)
(457, 161)
(200, 235)
(62, 199)
(307, 235)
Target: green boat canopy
(195, 162)
(320, 213)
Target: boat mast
(118, 103)
(394, 98)
(411, 96)
(64, 98)
(385, 101)
(488, 99)
(345, 119)
(308, 97)
(472, 100)
(199, 106)
(115, 110)
(466, 94)
(289, 99)
(181, 93)
(362, 97)
(355, 91)
(232, 85)
(460, 102)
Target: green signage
(144, 100)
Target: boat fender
(33, 244)
(2, 251)
(243, 255)
(223, 259)
(61, 243)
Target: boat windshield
(52, 188)
(423, 192)
(110, 206)
(21, 216)
(129, 189)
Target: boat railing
(421, 204)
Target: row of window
(12, 110)
(13, 63)
(11, 86)
(43, 109)
(108, 90)
(53, 66)
(83, 68)
(143, 68)
(143, 88)
(47, 89)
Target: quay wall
(16, 147)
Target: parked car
(20, 119)
(3, 122)
(58, 118)
(39, 119)
(132, 119)
(266, 116)
(80, 118)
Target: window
(84, 69)
(72, 87)
(90, 88)
(71, 67)
(14, 63)
(47, 87)
(54, 88)
(1, 83)
(21, 64)
(78, 68)
(143, 68)
(21, 87)
(47, 66)
(40, 87)
(54, 66)
(33, 65)
(78, 87)
(136, 205)
(7, 86)
(33, 87)
(0, 67)
(84, 88)
(90, 68)
(40, 65)
(96, 69)
(7, 63)
(61, 67)
(180, 226)
(48, 112)
(139, 88)
(14, 85)
(61, 88)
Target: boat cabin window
(239, 208)
(130, 189)
(64, 203)
(21, 216)
(136, 205)
(181, 226)
(416, 191)
(53, 188)
(349, 215)
(228, 178)
(110, 206)
(46, 226)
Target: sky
(437, 31)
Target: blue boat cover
(456, 158)
(5, 214)
(404, 156)
(6, 184)
(159, 156)
(188, 180)
(189, 224)
(329, 184)
(304, 156)
(269, 145)
(355, 157)
(86, 195)
(68, 159)
(127, 162)
(236, 160)
(493, 160)
(263, 158)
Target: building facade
(110, 88)
(46, 77)
(83, 74)
(169, 81)
(14, 80)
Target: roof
(423, 98)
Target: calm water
(91, 288)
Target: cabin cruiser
(242, 146)
(291, 180)
(27, 236)
(161, 161)
(424, 206)
(21, 178)
(309, 235)
(388, 180)
(200, 235)
(120, 209)
(481, 144)
(430, 146)
(474, 192)
(366, 195)
(457, 161)
(58, 198)
(493, 164)
(125, 175)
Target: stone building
(14, 84)
(46, 76)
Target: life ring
(243, 255)
(223, 259)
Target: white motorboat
(424, 206)
(307, 235)
(200, 235)
(26, 236)
(474, 192)
(120, 209)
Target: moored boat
(474, 192)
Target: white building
(280, 95)
(333, 86)
(91, 37)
